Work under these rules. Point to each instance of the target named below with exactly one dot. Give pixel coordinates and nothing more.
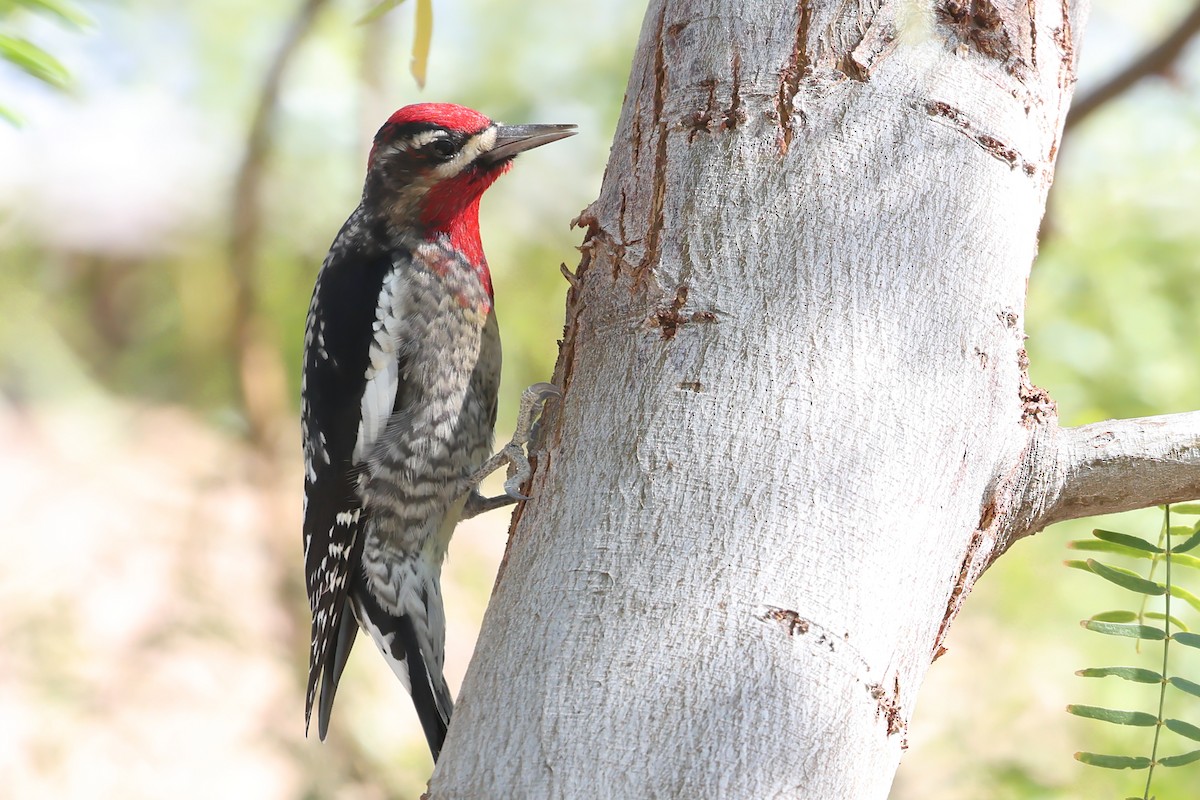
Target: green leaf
(379, 10)
(34, 60)
(11, 117)
(1097, 546)
(1132, 542)
(1182, 530)
(1076, 564)
(1175, 621)
(1185, 561)
(1126, 579)
(422, 41)
(1184, 685)
(1190, 544)
(1186, 639)
(1115, 616)
(1131, 631)
(1182, 728)
(1140, 719)
(1113, 762)
(1186, 596)
(1185, 508)
(1180, 760)
(72, 15)
(1135, 674)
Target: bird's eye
(442, 148)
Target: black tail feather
(424, 694)
(334, 664)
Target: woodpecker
(398, 399)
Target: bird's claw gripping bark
(533, 400)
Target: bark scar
(879, 40)
(790, 621)
(1037, 406)
(1064, 39)
(887, 705)
(994, 147)
(702, 120)
(795, 625)
(1031, 5)
(962, 584)
(793, 71)
(735, 114)
(670, 317)
(659, 176)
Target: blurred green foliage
(113, 244)
(115, 228)
(145, 313)
(28, 57)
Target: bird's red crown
(447, 115)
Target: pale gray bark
(796, 423)
(1112, 466)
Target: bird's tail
(430, 694)
(415, 658)
(327, 658)
(347, 631)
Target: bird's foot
(533, 400)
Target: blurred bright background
(153, 626)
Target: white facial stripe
(471, 149)
(424, 138)
(416, 142)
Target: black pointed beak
(513, 139)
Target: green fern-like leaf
(1184, 685)
(1186, 596)
(1182, 728)
(1164, 554)
(1190, 544)
(1139, 719)
(1101, 546)
(1176, 622)
(1135, 674)
(1114, 762)
(1126, 578)
(1180, 760)
(1126, 540)
(1148, 632)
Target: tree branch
(260, 381)
(1120, 465)
(1154, 61)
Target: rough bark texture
(797, 424)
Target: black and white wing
(347, 392)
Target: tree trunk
(797, 424)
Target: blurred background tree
(154, 633)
